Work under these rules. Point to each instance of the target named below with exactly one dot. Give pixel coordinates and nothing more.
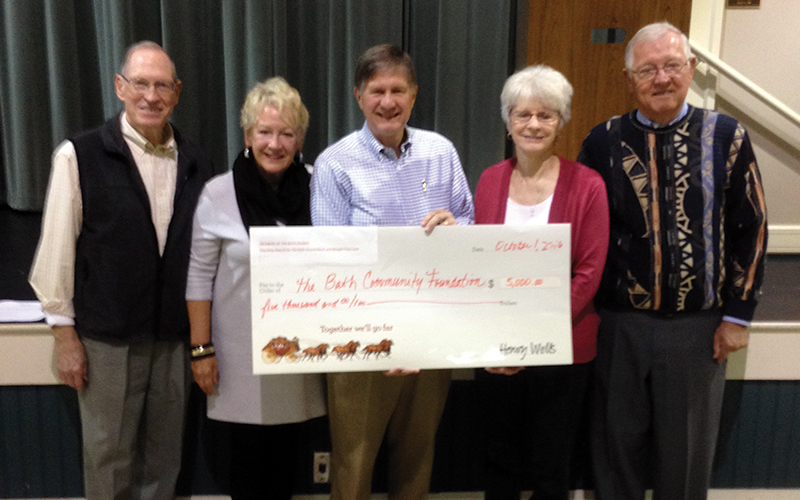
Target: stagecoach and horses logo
(280, 348)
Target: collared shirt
(53, 274)
(650, 123)
(359, 182)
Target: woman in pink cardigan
(533, 413)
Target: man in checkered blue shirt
(387, 174)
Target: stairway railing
(765, 97)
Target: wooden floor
(577, 495)
(580, 495)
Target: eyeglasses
(649, 72)
(546, 117)
(141, 85)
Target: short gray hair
(145, 44)
(651, 32)
(539, 82)
(280, 95)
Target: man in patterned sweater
(685, 262)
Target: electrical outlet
(322, 467)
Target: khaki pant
(365, 406)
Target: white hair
(145, 44)
(539, 82)
(651, 32)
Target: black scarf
(262, 205)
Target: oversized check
(331, 299)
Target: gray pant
(132, 417)
(657, 403)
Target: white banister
(713, 61)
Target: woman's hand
(204, 369)
(504, 370)
(205, 373)
(400, 372)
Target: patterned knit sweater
(688, 217)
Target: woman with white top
(267, 186)
(532, 413)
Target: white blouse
(219, 271)
(528, 214)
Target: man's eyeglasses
(649, 72)
(141, 85)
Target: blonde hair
(277, 93)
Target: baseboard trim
(783, 238)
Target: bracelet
(203, 356)
(202, 351)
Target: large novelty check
(331, 299)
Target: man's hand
(400, 372)
(438, 217)
(205, 373)
(504, 370)
(728, 338)
(70, 357)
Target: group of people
(668, 232)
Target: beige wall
(763, 45)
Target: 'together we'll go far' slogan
(328, 299)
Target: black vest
(124, 290)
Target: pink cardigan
(579, 199)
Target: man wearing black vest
(110, 272)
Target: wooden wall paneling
(40, 446)
(559, 35)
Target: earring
(247, 152)
(509, 135)
(299, 158)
